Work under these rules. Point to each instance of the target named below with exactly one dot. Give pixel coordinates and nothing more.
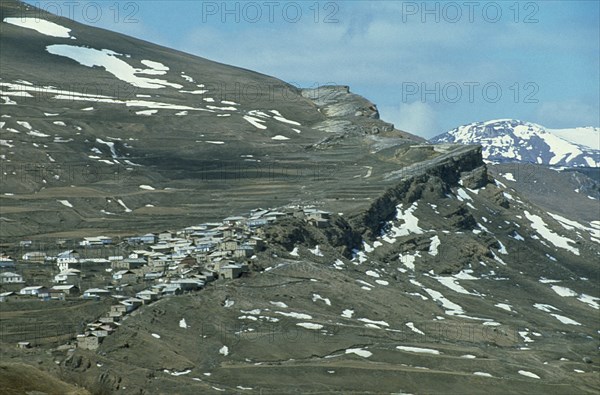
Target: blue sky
(429, 66)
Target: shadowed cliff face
(434, 178)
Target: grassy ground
(20, 378)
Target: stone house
(228, 244)
(232, 271)
(128, 264)
(124, 276)
(68, 290)
(89, 341)
(147, 295)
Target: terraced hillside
(433, 275)
(463, 286)
(115, 131)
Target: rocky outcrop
(431, 179)
(338, 101)
(435, 176)
(290, 232)
(347, 113)
(476, 178)
(77, 363)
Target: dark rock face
(501, 200)
(476, 178)
(78, 363)
(461, 219)
(109, 380)
(432, 178)
(290, 232)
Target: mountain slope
(432, 275)
(509, 140)
(458, 285)
(107, 114)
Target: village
(141, 269)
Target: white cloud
(374, 51)
(417, 118)
(568, 114)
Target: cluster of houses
(157, 265)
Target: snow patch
(563, 291)
(504, 306)
(299, 316)
(109, 60)
(316, 251)
(368, 321)
(433, 247)
(146, 112)
(257, 123)
(310, 325)
(281, 118)
(316, 297)
(229, 303)
(360, 352)
(565, 320)
(65, 203)
(42, 26)
(347, 313)
(414, 329)
(509, 177)
(418, 350)
(528, 374)
(540, 226)
(127, 209)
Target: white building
(95, 241)
(10, 278)
(95, 293)
(33, 290)
(66, 259)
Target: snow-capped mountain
(510, 140)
